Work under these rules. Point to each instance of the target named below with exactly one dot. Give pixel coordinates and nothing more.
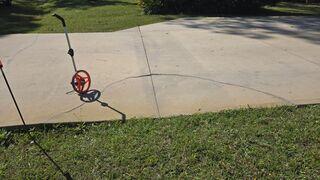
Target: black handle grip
(1, 66)
(60, 18)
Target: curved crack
(65, 112)
(179, 75)
(22, 49)
(201, 78)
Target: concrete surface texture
(184, 66)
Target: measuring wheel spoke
(81, 81)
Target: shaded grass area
(82, 16)
(34, 16)
(287, 8)
(280, 142)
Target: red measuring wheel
(81, 81)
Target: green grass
(286, 8)
(34, 16)
(271, 143)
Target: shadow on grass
(286, 8)
(23, 15)
(83, 4)
(18, 18)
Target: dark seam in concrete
(74, 108)
(147, 59)
(22, 49)
(147, 75)
(65, 112)
(178, 75)
(202, 78)
(229, 84)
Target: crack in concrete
(65, 112)
(177, 75)
(79, 106)
(23, 49)
(186, 76)
(150, 72)
(201, 78)
(229, 84)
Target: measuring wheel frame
(81, 81)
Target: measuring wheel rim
(81, 81)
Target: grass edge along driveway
(34, 16)
(280, 142)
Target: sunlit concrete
(183, 66)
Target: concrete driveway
(184, 66)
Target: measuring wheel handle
(61, 19)
(81, 82)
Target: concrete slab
(210, 64)
(40, 73)
(191, 65)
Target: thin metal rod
(14, 99)
(68, 40)
(66, 175)
(69, 45)
(74, 64)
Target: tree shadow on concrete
(306, 28)
(263, 23)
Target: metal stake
(66, 175)
(14, 99)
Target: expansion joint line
(147, 59)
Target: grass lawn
(273, 143)
(34, 16)
(286, 8)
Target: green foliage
(288, 8)
(203, 6)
